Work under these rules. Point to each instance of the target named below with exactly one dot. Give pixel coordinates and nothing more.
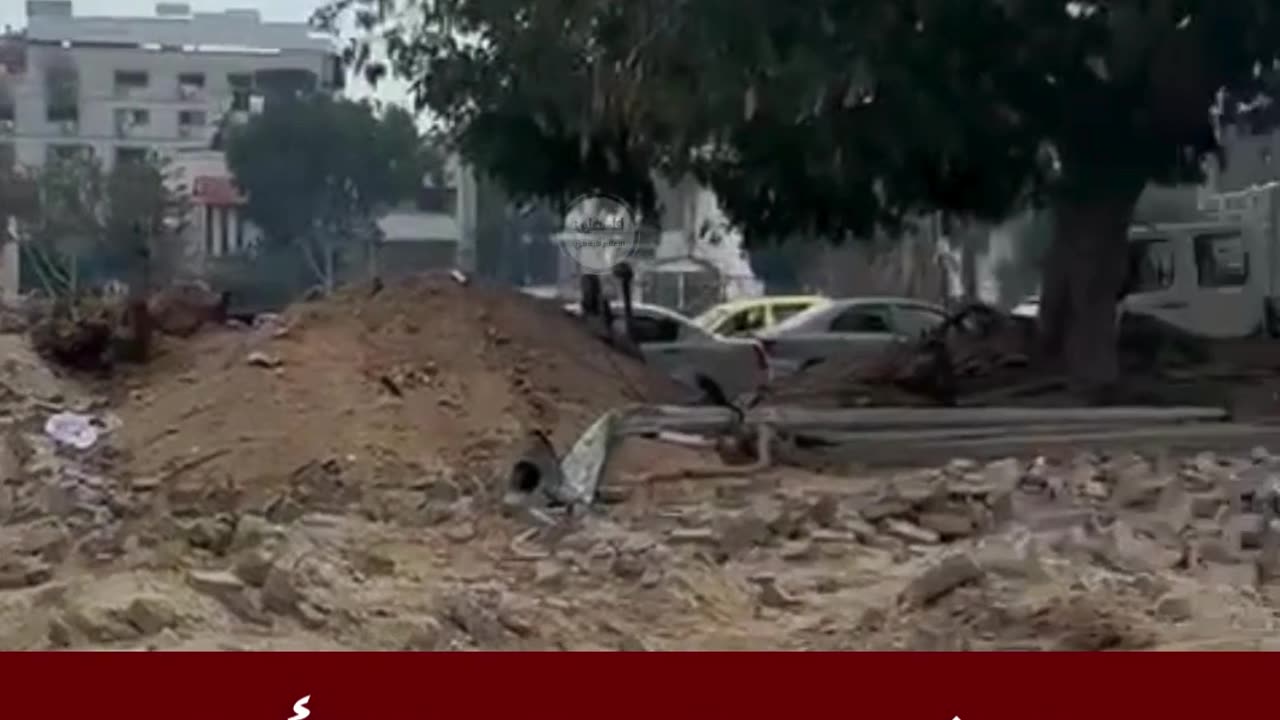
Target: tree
(319, 171)
(829, 118)
(80, 226)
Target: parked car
(1028, 308)
(673, 343)
(847, 329)
(742, 318)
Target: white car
(676, 345)
(1029, 308)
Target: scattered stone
(17, 572)
(151, 614)
(798, 550)
(1005, 474)
(948, 525)
(253, 565)
(1012, 559)
(741, 533)
(911, 533)
(145, 483)
(692, 536)
(214, 534)
(257, 358)
(940, 579)
(548, 573)
(1244, 532)
(883, 508)
(825, 511)
(628, 566)
(770, 595)
(464, 531)
(1127, 550)
(1234, 575)
(228, 590)
(98, 625)
(279, 591)
(311, 616)
(1174, 609)
(48, 538)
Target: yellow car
(751, 315)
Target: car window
(862, 319)
(1154, 267)
(1221, 260)
(914, 321)
(783, 311)
(745, 322)
(654, 328)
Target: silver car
(673, 343)
(849, 329)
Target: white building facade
(120, 87)
(124, 85)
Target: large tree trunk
(1083, 279)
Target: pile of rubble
(376, 390)
(333, 479)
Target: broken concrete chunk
(948, 525)
(1011, 558)
(258, 358)
(692, 536)
(883, 508)
(739, 534)
(17, 572)
(911, 533)
(770, 595)
(1173, 608)
(1233, 575)
(228, 590)
(150, 614)
(940, 579)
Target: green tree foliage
(81, 226)
(832, 117)
(318, 171)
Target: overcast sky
(14, 14)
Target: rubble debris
(330, 402)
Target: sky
(13, 13)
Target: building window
(57, 111)
(66, 152)
(133, 117)
(126, 155)
(8, 157)
(241, 90)
(130, 81)
(1221, 260)
(190, 85)
(192, 118)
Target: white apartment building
(123, 85)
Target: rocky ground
(335, 481)
(1102, 554)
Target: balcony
(8, 127)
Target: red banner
(358, 686)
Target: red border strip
(927, 686)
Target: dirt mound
(421, 380)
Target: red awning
(214, 190)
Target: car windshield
(796, 321)
(712, 318)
